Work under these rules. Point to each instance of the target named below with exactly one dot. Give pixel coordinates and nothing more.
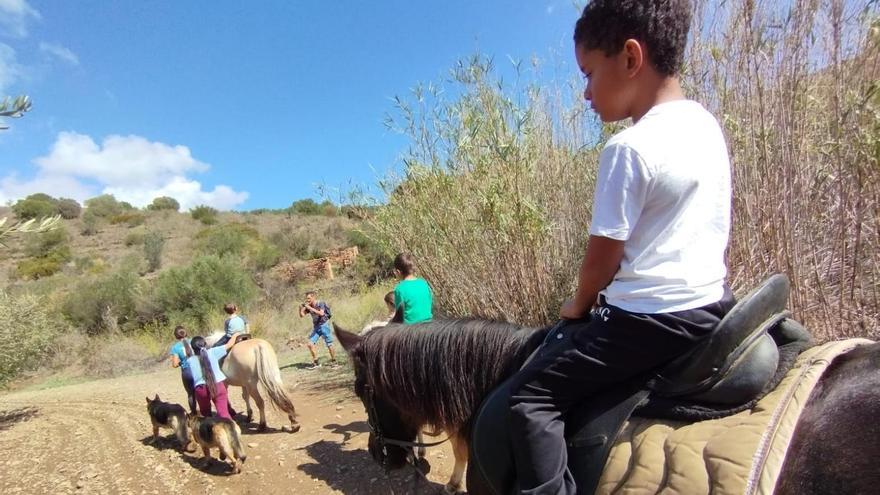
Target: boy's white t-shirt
(663, 187)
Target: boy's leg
(221, 341)
(221, 401)
(204, 400)
(616, 346)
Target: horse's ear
(348, 340)
(157, 397)
(148, 400)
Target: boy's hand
(570, 310)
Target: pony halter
(384, 442)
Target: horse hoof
(452, 489)
(261, 428)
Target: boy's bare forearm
(601, 262)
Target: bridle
(384, 442)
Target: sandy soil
(93, 438)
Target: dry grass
(493, 198)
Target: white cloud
(14, 17)
(131, 168)
(10, 70)
(60, 52)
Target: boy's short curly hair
(662, 25)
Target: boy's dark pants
(613, 347)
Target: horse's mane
(438, 372)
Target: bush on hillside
(90, 223)
(135, 237)
(193, 294)
(154, 243)
(104, 206)
(305, 207)
(131, 218)
(48, 251)
(204, 214)
(164, 203)
(105, 305)
(26, 334)
(35, 206)
(296, 244)
(229, 239)
(69, 208)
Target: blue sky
(239, 105)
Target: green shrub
(135, 237)
(69, 208)
(90, 223)
(232, 238)
(48, 252)
(26, 334)
(164, 203)
(373, 264)
(265, 256)
(46, 243)
(305, 207)
(295, 244)
(130, 218)
(35, 206)
(153, 246)
(104, 206)
(204, 214)
(37, 268)
(105, 305)
(196, 292)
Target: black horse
(437, 374)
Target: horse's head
(391, 435)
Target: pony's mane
(438, 372)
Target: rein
(375, 428)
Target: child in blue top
(652, 277)
(208, 379)
(180, 351)
(234, 324)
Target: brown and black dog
(168, 415)
(221, 433)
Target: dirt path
(92, 438)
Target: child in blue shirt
(180, 352)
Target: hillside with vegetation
(111, 279)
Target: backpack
(327, 311)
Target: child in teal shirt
(412, 295)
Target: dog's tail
(270, 377)
(237, 448)
(181, 430)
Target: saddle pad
(739, 454)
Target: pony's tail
(186, 347)
(266, 364)
(208, 371)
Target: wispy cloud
(15, 16)
(60, 52)
(10, 70)
(131, 168)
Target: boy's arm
(175, 361)
(600, 264)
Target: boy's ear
(635, 56)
